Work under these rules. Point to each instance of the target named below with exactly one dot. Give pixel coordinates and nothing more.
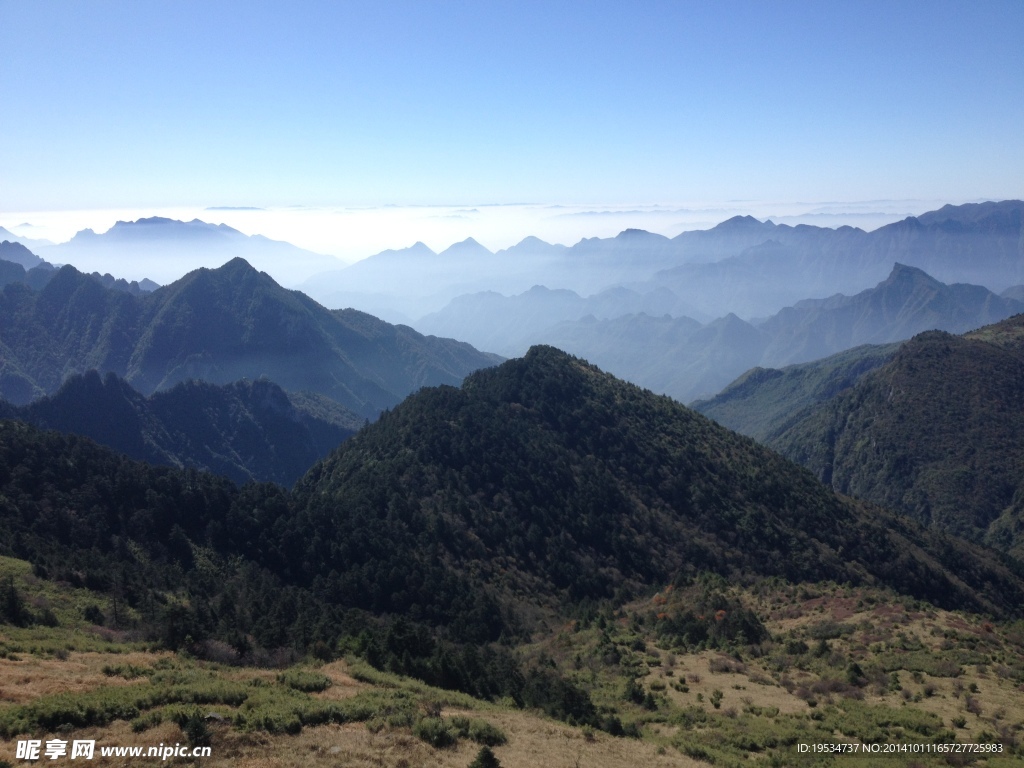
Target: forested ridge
(933, 434)
(443, 533)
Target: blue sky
(121, 104)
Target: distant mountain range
(165, 249)
(683, 358)
(249, 430)
(743, 266)
(220, 326)
(509, 324)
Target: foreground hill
(248, 430)
(217, 325)
(547, 479)
(935, 433)
(541, 491)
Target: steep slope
(244, 431)
(765, 401)
(218, 325)
(934, 433)
(546, 480)
(17, 253)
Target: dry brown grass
(532, 740)
(31, 677)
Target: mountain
(679, 357)
(906, 303)
(742, 265)
(533, 503)
(935, 433)
(164, 249)
(18, 254)
(509, 325)
(249, 430)
(980, 244)
(766, 401)
(544, 480)
(39, 275)
(32, 244)
(220, 326)
(671, 355)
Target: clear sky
(107, 105)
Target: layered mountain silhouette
(744, 266)
(20, 265)
(683, 358)
(510, 324)
(249, 430)
(164, 249)
(220, 326)
(980, 244)
(934, 433)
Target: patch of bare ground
(343, 685)
(742, 684)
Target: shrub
(305, 680)
(435, 732)
(485, 759)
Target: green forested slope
(935, 434)
(545, 478)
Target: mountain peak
(744, 224)
(468, 247)
(903, 273)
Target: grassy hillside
(832, 664)
(540, 540)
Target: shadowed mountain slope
(545, 479)
(244, 431)
(217, 325)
